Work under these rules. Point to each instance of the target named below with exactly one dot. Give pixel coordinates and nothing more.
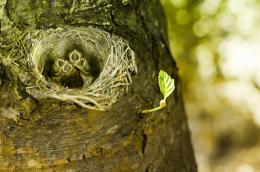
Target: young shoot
(166, 84)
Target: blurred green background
(216, 44)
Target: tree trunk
(55, 134)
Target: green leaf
(166, 84)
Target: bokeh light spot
(182, 17)
(179, 3)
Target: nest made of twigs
(109, 53)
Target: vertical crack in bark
(144, 142)
(84, 157)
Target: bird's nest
(86, 66)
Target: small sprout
(166, 84)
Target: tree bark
(53, 135)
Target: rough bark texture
(58, 136)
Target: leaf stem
(162, 105)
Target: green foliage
(166, 84)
